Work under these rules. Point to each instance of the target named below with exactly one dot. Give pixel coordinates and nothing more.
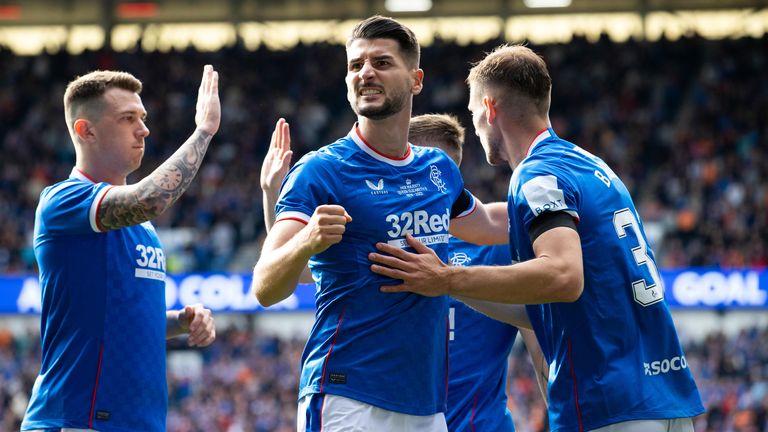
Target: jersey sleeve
(545, 188)
(309, 184)
(71, 207)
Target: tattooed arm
(133, 204)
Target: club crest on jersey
(376, 188)
(436, 176)
(460, 259)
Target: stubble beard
(390, 106)
(492, 149)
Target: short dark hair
(514, 68)
(380, 27)
(84, 93)
(443, 131)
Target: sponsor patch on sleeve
(542, 194)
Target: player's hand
(278, 158)
(422, 272)
(208, 115)
(198, 322)
(325, 228)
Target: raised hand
(278, 158)
(133, 204)
(208, 114)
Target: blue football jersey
(103, 317)
(387, 350)
(478, 348)
(613, 354)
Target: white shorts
(664, 425)
(332, 413)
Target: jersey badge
(436, 176)
(460, 259)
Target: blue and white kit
(613, 354)
(103, 318)
(386, 350)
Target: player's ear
(418, 81)
(489, 105)
(83, 129)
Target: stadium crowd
(683, 123)
(247, 382)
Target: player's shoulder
(435, 159)
(557, 151)
(63, 184)
(333, 153)
(326, 158)
(433, 153)
(63, 189)
(424, 150)
(550, 156)
(551, 148)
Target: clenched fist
(325, 228)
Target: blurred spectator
(248, 382)
(683, 122)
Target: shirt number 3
(645, 293)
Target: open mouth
(370, 91)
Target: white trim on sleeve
(92, 213)
(469, 210)
(294, 215)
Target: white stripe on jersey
(293, 215)
(92, 213)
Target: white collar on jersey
(539, 138)
(372, 152)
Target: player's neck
(98, 173)
(389, 136)
(518, 140)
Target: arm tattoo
(150, 197)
